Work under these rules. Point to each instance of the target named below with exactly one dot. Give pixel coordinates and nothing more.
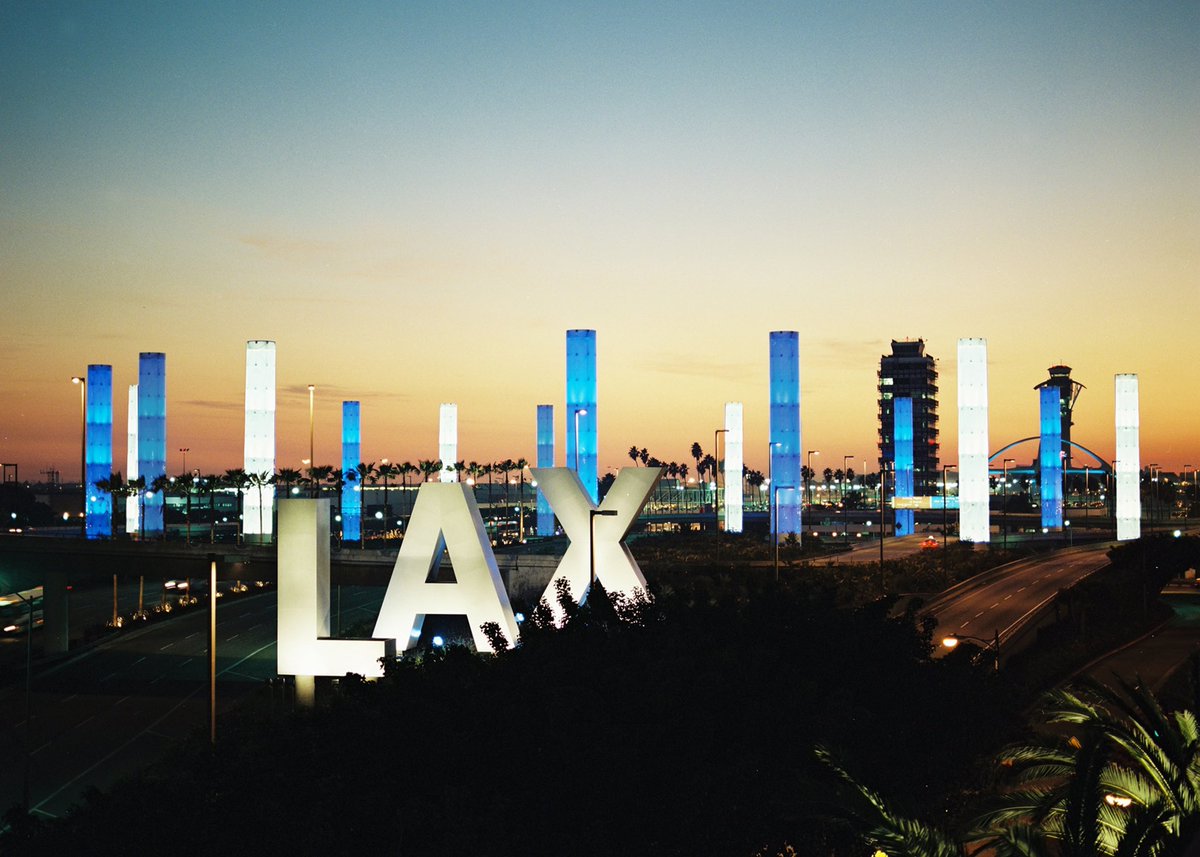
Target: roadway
(109, 711)
(1155, 656)
(997, 600)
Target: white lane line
(167, 646)
(69, 698)
(119, 701)
(189, 636)
(980, 613)
(252, 627)
(1006, 597)
(184, 662)
(110, 675)
(41, 748)
(1022, 589)
(85, 720)
(138, 661)
(997, 604)
(234, 637)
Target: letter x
(616, 568)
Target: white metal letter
(445, 518)
(616, 568)
(304, 647)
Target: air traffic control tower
(1068, 394)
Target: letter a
(445, 517)
(616, 568)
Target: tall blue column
(902, 442)
(581, 409)
(98, 450)
(1050, 458)
(152, 433)
(545, 458)
(785, 432)
(352, 496)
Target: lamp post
(185, 450)
(845, 511)
(1004, 500)
(945, 526)
(950, 641)
(28, 695)
(808, 481)
(1154, 479)
(775, 511)
(772, 527)
(1112, 492)
(312, 460)
(1087, 472)
(882, 521)
(579, 412)
(82, 382)
(717, 484)
(592, 515)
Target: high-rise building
(582, 425)
(909, 373)
(98, 448)
(545, 458)
(352, 491)
(152, 435)
(784, 434)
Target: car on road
(930, 544)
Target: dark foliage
(679, 726)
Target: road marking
(85, 720)
(997, 604)
(41, 748)
(234, 637)
(1006, 597)
(138, 661)
(167, 646)
(69, 698)
(980, 613)
(189, 636)
(184, 663)
(119, 701)
(1022, 589)
(252, 627)
(110, 675)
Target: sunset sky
(415, 200)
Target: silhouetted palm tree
(364, 472)
(237, 479)
(113, 485)
(633, 453)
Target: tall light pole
(882, 521)
(312, 461)
(82, 382)
(185, 450)
(1154, 480)
(592, 515)
(1112, 492)
(808, 481)
(945, 526)
(1004, 500)
(1087, 472)
(772, 518)
(845, 511)
(775, 512)
(579, 412)
(717, 485)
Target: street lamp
(808, 464)
(882, 520)
(82, 382)
(845, 522)
(775, 511)
(185, 450)
(1154, 479)
(311, 458)
(950, 641)
(579, 412)
(592, 515)
(1004, 510)
(717, 484)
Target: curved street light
(951, 641)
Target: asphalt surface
(995, 601)
(111, 710)
(1155, 656)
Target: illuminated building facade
(1129, 459)
(133, 508)
(352, 491)
(902, 445)
(545, 458)
(98, 450)
(733, 467)
(908, 372)
(152, 434)
(259, 444)
(973, 496)
(786, 494)
(448, 442)
(1050, 458)
(582, 433)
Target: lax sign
(446, 519)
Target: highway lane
(110, 711)
(1155, 656)
(996, 600)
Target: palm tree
(137, 488)
(287, 477)
(385, 471)
(163, 485)
(237, 479)
(337, 481)
(633, 453)
(698, 454)
(429, 467)
(210, 484)
(683, 475)
(112, 485)
(1131, 776)
(644, 455)
(827, 475)
(520, 464)
(260, 481)
(363, 473)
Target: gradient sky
(416, 200)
